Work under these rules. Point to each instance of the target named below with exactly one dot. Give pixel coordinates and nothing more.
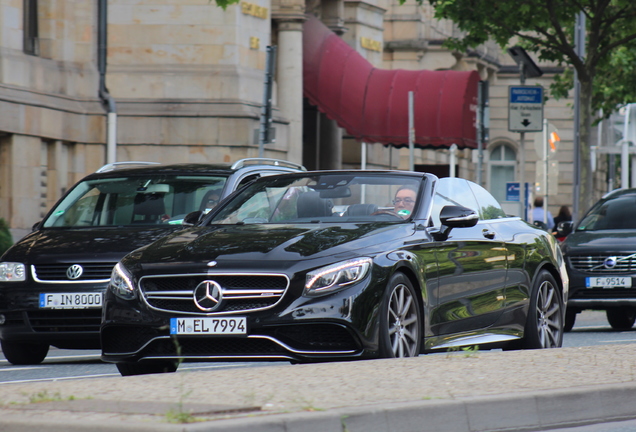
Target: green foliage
(6, 240)
(225, 3)
(546, 28)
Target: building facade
(183, 82)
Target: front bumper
(26, 321)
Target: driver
(404, 201)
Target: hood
(83, 245)
(605, 241)
(274, 243)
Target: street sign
(512, 191)
(525, 108)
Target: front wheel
(146, 367)
(621, 318)
(400, 319)
(544, 323)
(23, 353)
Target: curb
(531, 411)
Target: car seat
(361, 210)
(310, 204)
(148, 208)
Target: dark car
(600, 254)
(337, 265)
(52, 281)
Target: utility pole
(579, 48)
(265, 135)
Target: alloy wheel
(403, 322)
(549, 316)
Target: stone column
(289, 75)
(330, 153)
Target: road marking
(59, 378)
(17, 368)
(94, 356)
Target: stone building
(83, 83)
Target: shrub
(6, 240)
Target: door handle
(488, 234)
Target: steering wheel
(387, 212)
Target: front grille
(317, 337)
(605, 294)
(126, 339)
(594, 264)
(57, 272)
(226, 346)
(241, 293)
(70, 320)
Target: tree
(546, 28)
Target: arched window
(503, 161)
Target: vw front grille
(57, 273)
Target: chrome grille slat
(593, 264)
(242, 292)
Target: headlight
(336, 276)
(121, 283)
(12, 272)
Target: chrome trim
(477, 340)
(227, 294)
(595, 302)
(64, 281)
(272, 339)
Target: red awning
(371, 104)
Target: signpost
(525, 108)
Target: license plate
(608, 282)
(70, 300)
(208, 326)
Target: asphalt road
(591, 329)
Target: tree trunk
(586, 187)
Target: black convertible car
(337, 265)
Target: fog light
(2, 319)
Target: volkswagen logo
(610, 262)
(74, 271)
(208, 295)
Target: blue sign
(512, 191)
(526, 94)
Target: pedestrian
(564, 215)
(538, 215)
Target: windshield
(613, 214)
(334, 197)
(148, 200)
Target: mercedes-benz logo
(74, 271)
(610, 262)
(208, 295)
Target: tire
(147, 367)
(400, 319)
(545, 320)
(20, 353)
(570, 319)
(621, 318)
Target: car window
(489, 207)
(147, 200)
(452, 191)
(612, 214)
(324, 197)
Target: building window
(30, 27)
(503, 162)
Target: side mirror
(458, 217)
(564, 228)
(192, 218)
(454, 217)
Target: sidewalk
(459, 391)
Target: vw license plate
(608, 282)
(70, 300)
(208, 326)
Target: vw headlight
(12, 272)
(327, 280)
(121, 283)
